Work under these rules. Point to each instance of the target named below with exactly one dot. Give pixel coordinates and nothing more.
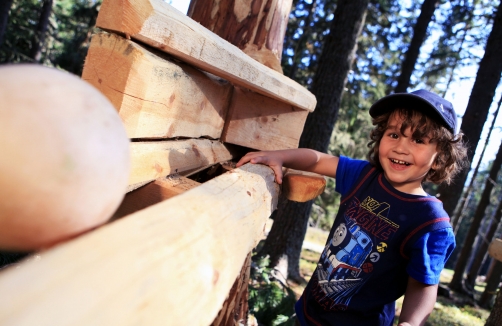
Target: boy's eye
(419, 141)
(393, 135)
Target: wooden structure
(175, 247)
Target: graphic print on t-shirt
(357, 243)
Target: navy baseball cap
(431, 104)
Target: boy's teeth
(399, 162)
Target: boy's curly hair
(452, 152)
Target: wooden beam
(153, 193)
(301, 186)
(495, 249)
(156, 97)
(262, 123)
(154, 267)
(155, 159)
(159, 25)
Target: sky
(181, 5)
(458, 95)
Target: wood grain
(159, 25)
(301, 186)
(155, 159)
(155, 96)
(173, 263)
(262, 123)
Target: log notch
(257, 27)
(260, 122)
(155, 96)
(151, 160)
(153, 193)
(154, 267)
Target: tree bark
(457, 218)
(475, 115)
(256, 26)
(284, 242)
(483, 248)
(5, 6)
(40, 33)
(419, 35)
(492, 283)
(329, 81)
(460, 266)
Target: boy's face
(405, 160)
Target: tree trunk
(481, 98)
(457, 218)
(419, 35)
(492, 283)
(257, 27)
(329, 81)
(4, 17)
(495, 318)
(460, 266)
(483, 248)
(284, 242)
(40, 33)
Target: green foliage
(70, 26)
(270, 301)
(23, 20)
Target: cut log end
(302, 186)
(495, 249)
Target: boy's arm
(299, 159)
(418, 303)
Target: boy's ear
(435, 165)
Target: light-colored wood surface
(495, 249)
(155, 159)
(302, 186)
(159, 25)
(153, 193)
(256, 27)
(262, 123)
(170, 264)
(156, 97)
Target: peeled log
(257, 27)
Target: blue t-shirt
(425, 247)
(379, 237)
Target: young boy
(389, 237)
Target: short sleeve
(347, 173)
(429, 255)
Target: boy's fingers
(278, 173)
(246, 158)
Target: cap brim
(407, 101)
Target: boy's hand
(272, 159)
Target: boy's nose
(402, 146)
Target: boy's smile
(405, 161)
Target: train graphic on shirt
(342, 261)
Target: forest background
(57, 33)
